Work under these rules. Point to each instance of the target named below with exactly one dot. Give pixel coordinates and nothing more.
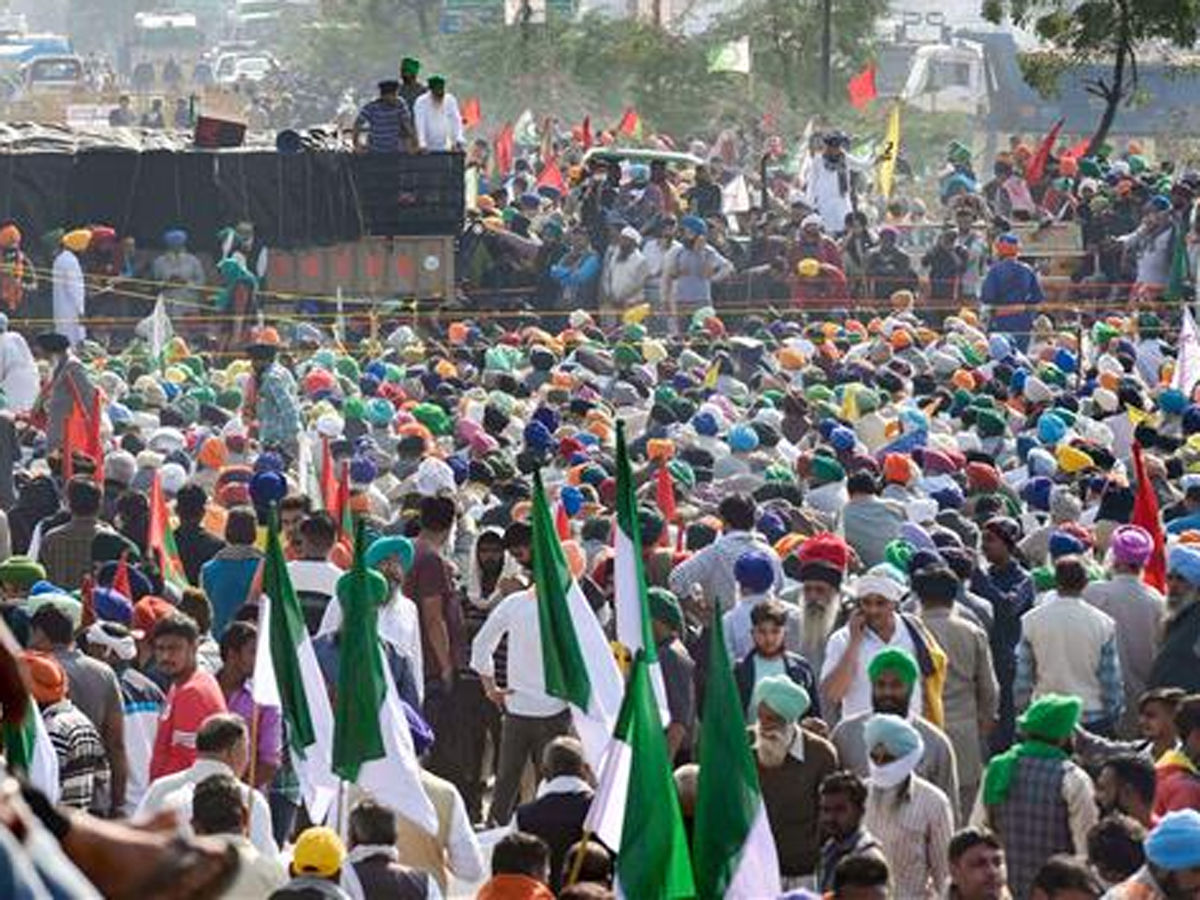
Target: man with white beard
(911, 819)
(819, 566)
(792, 762)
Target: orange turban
(46, 677)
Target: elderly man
(894, 674)
(1172, 866)
(875, 624)
(1178, 662)
(792, 763)
(1135, 607)
(1037, 800)
(971, 694)
(910, 817)
(623, 275)
(820, 565)
(180, 267)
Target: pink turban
(1131, 545)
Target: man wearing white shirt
(313, 576)
(437, 119)
(532, 718)
(399, 621)
(221, 749)
(874, 625)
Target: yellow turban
(77, 241)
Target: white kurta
(69, 295)
(18, 372)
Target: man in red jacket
(1178, 773)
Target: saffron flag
(1037, 166)
(162, 537)
(586, 133)
(471, 114)
(121, 582)
(1079, 150)
(630, 124)
(664, 494)
(504, 147)
(81, 434)
(891, 151)
(329, 482)
(862, 87)
(1145, 513)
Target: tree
(1091, 30)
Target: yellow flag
(710, 377)
(891, 150)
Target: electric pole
(826, 49)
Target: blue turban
(1064, 544)
(1051, 428)
(949, 497)
(1065, 360)
(694, 224)
(705, 424)
(1160, 202)
(548, 416)
(1174, 843)
(782, 696)
(895, 733)
(1172, 401)
(1184, 561)
(842, 439)
(538, 437)
(112, 606)
(754, 572)
(772, 526)
(460, 467)
(743, 439)
(139, 585)
(380, 411)
(267, 488)
(999, 347)
(269, 461)
(363, 470)
(1036, 492)
(571, 498)
(385, 547)
(368, 384)
(175, 238)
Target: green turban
(777, 472)
(897, 660)
(682, 473)
(1048, 722)
(898, 552)
(818, 393)
(347, 368)
(21, 572)
(377, 588)
(826, 469)
(354, 409)
(229, 400)
(433, 417)
(626, 355)
(990, 423)
(664, 607)
(782, 696)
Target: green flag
(734, 850)
(1179, 277)
(636, 808)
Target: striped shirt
(83, 773)
(387, 125)
(913, 823)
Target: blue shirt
(386, 125)
(227, 584)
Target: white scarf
(891, 774)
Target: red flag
(551, 176)
(1079, 151)
(161, 538)
(81, 432)
(862, 87)
(343, 503)
(631, 123)
(546, 147)
(329, 482)
(471, 114)
(1037, 165)
(1145, 514)
(562, 522)
(121, 583)
(585, 134)
(503, 147)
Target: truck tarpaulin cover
(294, 200)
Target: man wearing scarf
(1176, 664)
(792, 762)
(18, 277)
(1037, 800)
(911, 818)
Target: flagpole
(253, 761)
(577, 862)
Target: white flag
(1187, 364)
(731, 57)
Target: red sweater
(1178, 784)
(187, 706)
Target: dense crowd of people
(950, 530)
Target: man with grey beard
(792, 762)
(1176, 662)
(819, 566)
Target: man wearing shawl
(1037, 800)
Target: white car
(233, 68)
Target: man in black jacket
(564, 796)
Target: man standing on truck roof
(410, 88)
